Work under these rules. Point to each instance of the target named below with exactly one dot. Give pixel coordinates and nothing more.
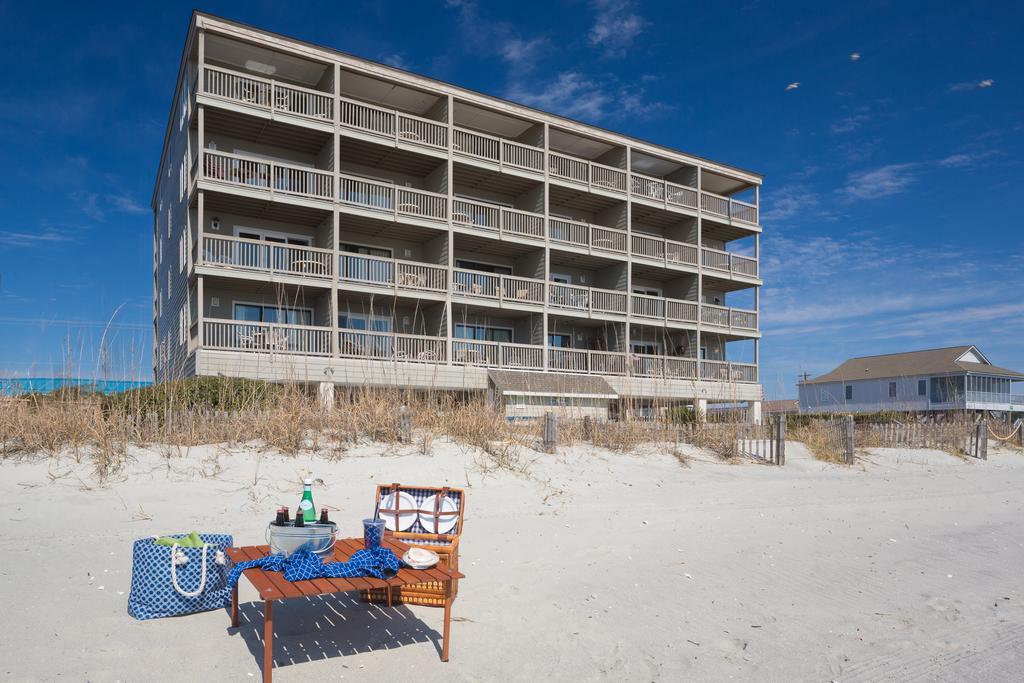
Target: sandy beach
(596, 565)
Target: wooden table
(272, 586)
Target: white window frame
(390, 250)
(647, 290)
(264, 233)
(367, 318)
(312, 313)
(511, 332)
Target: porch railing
(584, 172)
(729, 318)
(471, 143)
(497, 354)
(236, 335)
(577, 233)
(728, 262)
(246, 254)
(659, 308)
(496, 218)
(663, 191)
(393, 124)
(273, 176)
(590, 299)
(727, 207)
(399, 201)
(478, 284)
(392, 273)
(666, 251)
(390, 346)
(268, 94)
(725, 371)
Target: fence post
(1019, 425)
(588, 428)
(780, 440)
(404, 425)
(849, 440)
(550, 435)
(983, 440)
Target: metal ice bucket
(314, 537)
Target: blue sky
(892, 201)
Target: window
(892, 389)
(559, 341)
(647, 291)
(561, 278)
(266, 313)
(483, 333)
(483, 267)
(922, 387)
(649, 348)
(849, 392)
(373, 323)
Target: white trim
(512, 392)
(647, 290)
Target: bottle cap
(308, 482)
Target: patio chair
(446, 545)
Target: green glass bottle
(306, 504)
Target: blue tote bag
(169, 581)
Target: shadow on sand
(331, 625)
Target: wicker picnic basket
(445, 545)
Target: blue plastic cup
(373, 532)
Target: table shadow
(332, 625)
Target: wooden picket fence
(959, 438)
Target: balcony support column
(200, 299)
(336, 217)
(547, 252)
(754, 412)
(700, 406)
(700, 276)
(449, 311)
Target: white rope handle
(174, 573)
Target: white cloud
(615, 27)
(35, 239)
(884, 181)
(397, 60)
(849, 124)
(522, 52)
(577, 95)
(967, 86)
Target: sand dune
(595, 566)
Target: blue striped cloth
(379, 562)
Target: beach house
(952, 378)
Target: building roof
(949, 360)
(786, 405)
(515, 382)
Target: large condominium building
(323, 218)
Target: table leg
(447, 620)
(268, 640)
(234, 606)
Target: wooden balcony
(246, 255)
(728, 263)
(732, 319)
(263, 175)
(394, 126)
(268, 94)
(588, 174)
(589, 300)
(498, 151)
(593, 238)
(496, 219)
(392, 200)
(663, 310)
(398, 128)
(666, 252)
(305, 340)
(502, 289)
(393, 274)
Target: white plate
(406, 516)
(423, 563)
(445, 522)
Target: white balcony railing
(392, 124)
(588, 299)
(273, 176)
(659, 308)
(726, 207)
(727, 262)
(268, 94)
(471, 143)
(236, 335)
(236, 253)
(584, 172)
(663, 192)
(390, 346)
(728, 318)
(668, 252)
(481, 285)
(500, 219)
(392, 273)
(576, 233)
(724, 371)
(387, 198)
(253, 337)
